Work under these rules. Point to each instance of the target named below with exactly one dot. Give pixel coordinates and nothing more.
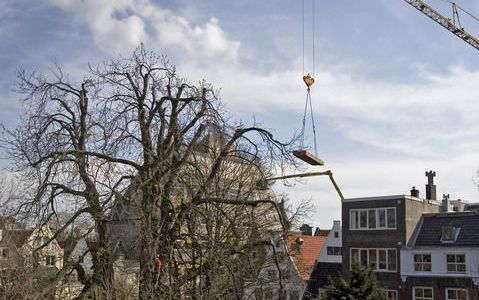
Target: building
(441, 261)
(287, 265)
(328, 263)
(376, 228)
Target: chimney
(445, 203)
(306, 230)
(414, 192)
(430, 186)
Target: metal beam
(444, 22)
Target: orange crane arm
(444, 22)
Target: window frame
(422, 263)
(423, 288)
(456, 289)
(50, 261)
(369, 223)
(455, 263)
(375, 265)
(333, 250)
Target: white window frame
(355, 222)
(455, 263)
(334, 250)
(422, 263)
(456, 289)
(375, 266)
(422, 298)
(391, 291)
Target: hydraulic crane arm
(444, 22)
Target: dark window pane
(363, 218)
(428, 293)
(372, 218)
(427, 267)
(382, 217)
(372, 258)
(364, 257)
(382, 259)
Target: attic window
(449, 234)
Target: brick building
(376, 228)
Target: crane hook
(308, 80)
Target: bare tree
(134, 127)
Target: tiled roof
(304, 256)
(431, 229)
(320, 278)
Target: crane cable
(309, 81)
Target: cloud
(120, 26)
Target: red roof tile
(304, 255)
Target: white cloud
(120, 26)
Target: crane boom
(444, 22)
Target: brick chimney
(430, 186)
(414, 192)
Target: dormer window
(449, 234)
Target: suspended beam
(444, 22)
(308, 158)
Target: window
(391, 295)
(456, 263)
(336, 234)
(1, 234)
(422, 262)
(375, 218)
(3, 252)
(50, 260)
(456, 294)
(449, 234)
(334, 250)
(423, 293)
(382, 260)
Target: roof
(320, 277)
(430, 232)
(390, 197)
(305, 255)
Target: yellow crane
(453, 25)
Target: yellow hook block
(308, 80)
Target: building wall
(332, 241)
(408, 212)
(439, 286)
(414, 208)
(438, 262)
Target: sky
(395, 93)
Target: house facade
(328, 263)
(441, 261)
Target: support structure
(444, 22)
(263, 182)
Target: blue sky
(396, 94)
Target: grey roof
(430, 232)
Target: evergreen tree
(362, 286)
